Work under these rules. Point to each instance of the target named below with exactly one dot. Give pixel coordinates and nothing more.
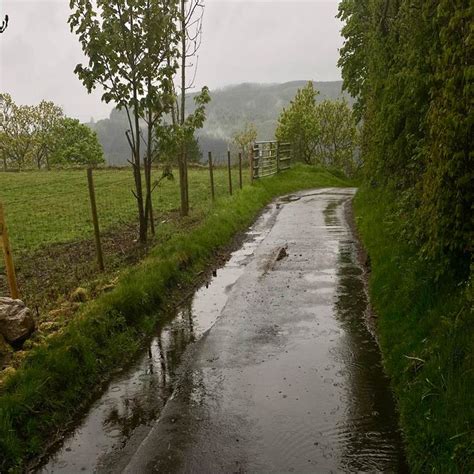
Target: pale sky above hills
(243, 41)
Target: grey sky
(243, 41)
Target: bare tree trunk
(184, 164)
(142, 217)
(148, 163)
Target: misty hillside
(229, 110)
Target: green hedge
(426, 330)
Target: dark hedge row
(409, 63)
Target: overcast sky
(243, 41)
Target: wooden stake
(251, 153)
(211, 174)
(95, 220)
(240, 170)
(278, 156)
(230, 173)
(152, 218)
(7, 252)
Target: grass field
(50, 226)
(45, 208)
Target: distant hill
(230, 108)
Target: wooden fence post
(95, 220)
(230, 173)
(152, 217)
(278, 156)
(211, 174)
(251, 153)
(7, 252)
(240, 170)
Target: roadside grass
(426, 330)
(57, 377)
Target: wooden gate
(270, 158)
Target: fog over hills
(230, 108)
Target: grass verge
(57, 376)
(426, 331)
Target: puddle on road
(369, 437)
(135, 398)
(294, 385)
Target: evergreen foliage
(408, 64)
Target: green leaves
(41, 136)
(27, 132)
(299, 125)
(171, 137)
(127, 44)
(323, 134)
(132, 46)
(76, 144)
(196, 120)
(409, 64)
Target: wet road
(270, 368)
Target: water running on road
(288, 379)
(122, 416)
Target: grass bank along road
(288, 379)
(56, 377)
(426, 330)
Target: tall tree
(299, 125)
(324, 134)
(190, 25)
(409, 65)
(75, 144)
(17, 127)
(132, 51)
(337, 139)
(47, 117)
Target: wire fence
(51, 227)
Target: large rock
(16, 321)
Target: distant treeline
(41, 136)
(229, 110)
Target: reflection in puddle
(290, 386)
(370, 436)
(135, 398)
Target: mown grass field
(50, 207)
